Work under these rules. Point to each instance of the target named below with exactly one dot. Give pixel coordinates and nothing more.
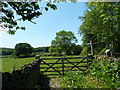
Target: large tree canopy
(26, 11)
(64, 41)
(23, 49)
(101, 24)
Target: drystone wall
(28, 77)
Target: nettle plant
(106, 71)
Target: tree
(7, 51)
(23, 49)
(26, 11)
(45, 49)
(63, 42)
(101, 25)
(77, 50)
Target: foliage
(76, 50)
(51, 49)
(102, 74)
(41, 49)
(85, 51)
(74, 80)
(26, 11)
(64, 42)
(38, 50)
(101, 25)
(102, 51)
(23, 49)
(7, 51)
(106, 71)
(45, 49)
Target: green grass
(9, 64)
(0, 65)
(71, 80)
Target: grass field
(9, 64)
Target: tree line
(101, 25)
(10, 51)
(26, 50)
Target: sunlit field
(9, 64)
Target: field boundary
(64, 65)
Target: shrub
(106, 71)
(85, 51)
(102, 74)
(75, 80)
(102, 51)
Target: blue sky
(42, 33)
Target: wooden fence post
(63, 66)
(87, 61)
(87, 57)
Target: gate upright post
(63, 66)
(88, 61)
